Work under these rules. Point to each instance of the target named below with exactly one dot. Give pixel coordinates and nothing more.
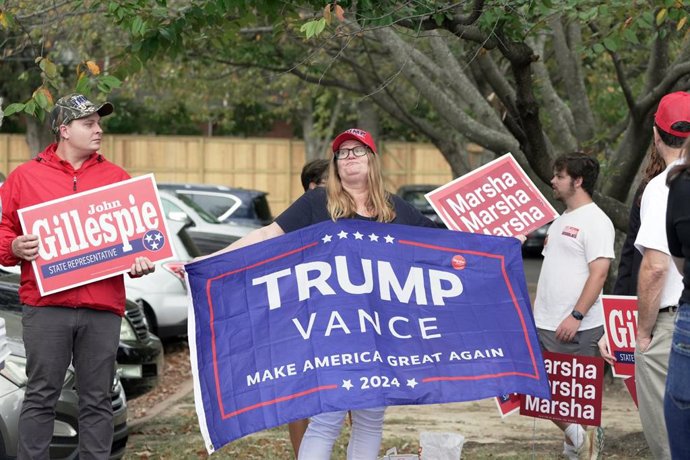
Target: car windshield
(207, 216)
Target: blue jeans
(677, 397)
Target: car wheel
(150, 316)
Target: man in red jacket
(80, 325)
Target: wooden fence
(271, 165)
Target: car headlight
(127, 333)
(15, 370)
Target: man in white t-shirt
(659, 284)
(577, 253)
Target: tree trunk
(367, 118)
(38, 135)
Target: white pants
(324, 429)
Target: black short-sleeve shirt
(678, 227)
(310, 209)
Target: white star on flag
(342, 234)
(154, 245)
(158, 236)
(358, 236)
(347, 384)
(148, 238)
(373, 237)
(389, 239)
(412, 383)
(327, 239)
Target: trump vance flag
(355, 314)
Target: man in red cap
(659, 284)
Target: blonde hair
(340, 203)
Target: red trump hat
(355, 134)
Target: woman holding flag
(354, 190)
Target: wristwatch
(577, 315)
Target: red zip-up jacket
(46, 178)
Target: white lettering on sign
(623, 329)
(509, 203)
(397, 326)
(318, 276)
(68, 232)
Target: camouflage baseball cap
(73, 107)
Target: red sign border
(618, 369)
(508, 157)
(34, 265)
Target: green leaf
(14, 108)
(630, 36)
(611, 44)
(30, 107)
(50, 68)
(82, 85)
(320, 26)
(137, 25)
(439, 18)
(598, 48)
(309, 28)
(111, 81)
(41, 99)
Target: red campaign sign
(620, 314)
(632, 388)
(507, 404)
(496, 199)
(577, 386)
(96, 234)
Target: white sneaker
(570, 452)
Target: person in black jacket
(630, 258)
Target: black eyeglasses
(358, 151)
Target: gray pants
(54, 337)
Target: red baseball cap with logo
(673, 107)
(357, 135)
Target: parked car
(139, 354)
(163, 294)
(208, 233)
(228, 205)
(4, 347)
(534, 244)
(65, 441)
(414, 194)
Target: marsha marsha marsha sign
(96, 234)
(577, 388)
(355, 314)
(495, 199)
